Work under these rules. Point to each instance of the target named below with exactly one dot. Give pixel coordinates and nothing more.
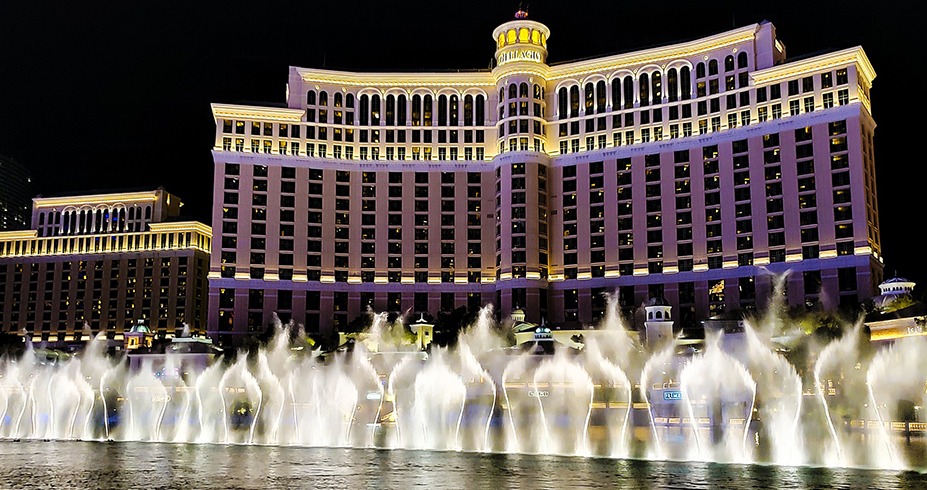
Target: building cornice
(254, 112)
(854, 55)
(174, 226)
(92, 199)
(18, 234)
(387, 80)
(654, 55)
(659, 55)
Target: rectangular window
(842, 78)
(809, 104)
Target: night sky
(117, 96)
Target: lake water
(63, 465)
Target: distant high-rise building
(686, 172)
(106, 261)
(15, 195)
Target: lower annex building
(109, 262)
(687, 171)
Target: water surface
(80, 465)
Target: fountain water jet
(482, 395)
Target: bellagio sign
(519, 55)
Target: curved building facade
(688, 171)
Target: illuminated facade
(681, 171)
(107, 261)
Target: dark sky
(117, 95)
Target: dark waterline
(80, 465)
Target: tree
(359, 323)
(12, 345)
(448, 325)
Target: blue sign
(672, 395)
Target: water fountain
(735, 400)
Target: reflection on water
(81, 465)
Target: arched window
(349, 101)
(442, 110)
(501, 40)
(644, 87)
(426, 110)
(524, 35)
(310, 97)
(364, 112)
(713, 67)
(659, 315)
(480, 110)
(148, 208)
(685, 82)
(390, 110)
(339, 101)
(535, 37)
(574, 101)
(562, 103)
(41, 219)
(600, 96)
(537, 90)
(656, 87)
(672, 89)
(589, 99)
(513, 91)
(416, 110)
(628, 92)
(468, 110)
(650, 315)
(454, 111)
(729, 63)
(375, 110)
(742, 60)
(616, 93)
(501, 95)
(523, 90)
(401, 110)
(323, 98)
(700, 70)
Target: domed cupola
(521, 41)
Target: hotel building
(107, 261)
(688, 171)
